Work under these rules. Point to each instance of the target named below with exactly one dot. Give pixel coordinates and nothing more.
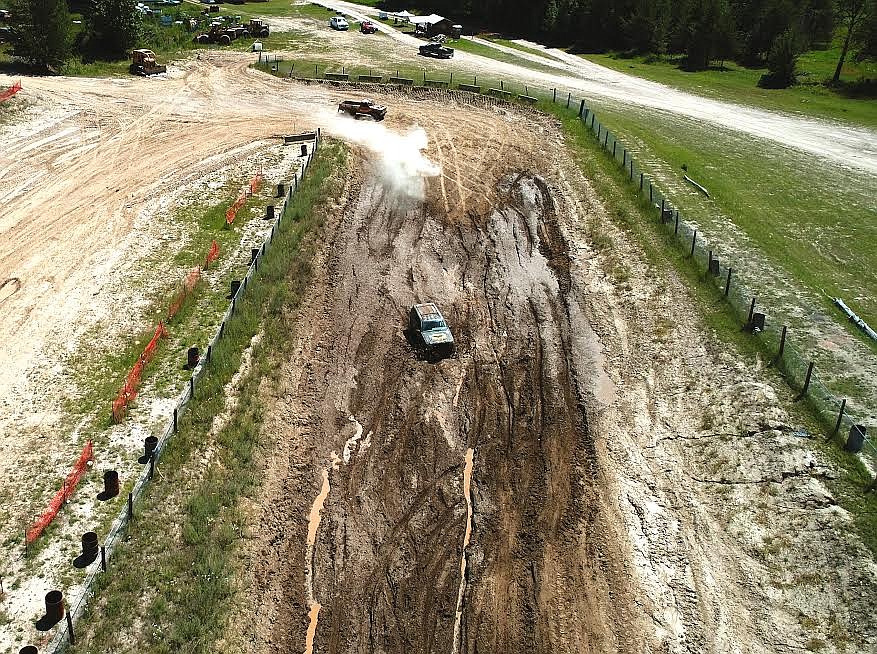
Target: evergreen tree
(705, 21)
(113, 28)
(42, 32)
(782, 61)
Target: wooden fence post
(840, 416)
(806, 381)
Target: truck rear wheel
(225, 39)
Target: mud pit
(594, 520)
(387, 563)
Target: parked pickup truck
(363, 109)
(436, 50)
(429, 333)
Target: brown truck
(363, 109)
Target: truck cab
(429, 331)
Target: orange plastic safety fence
(8, 93)
(132, 382)
(62, 495)
(253, 187)
(212, 254)
(189, 284)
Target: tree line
(703, 32)
(43, 33)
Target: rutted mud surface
(615, 504)
(387, 561)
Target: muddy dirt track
(593, 517)
(589, 474)
(386, 565)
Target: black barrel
(304, 149)
(111, 485)
(856, 439)
(281, 190)
(235, 287)
(254, 254)
(54, 606)
(89, 544)
(193, 355)
(28, 649)
(269, 212)
(149, 445)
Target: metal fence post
(581, 108)
(676, 227)
(641, 177)
(568, 98)
(783, 344)
(70, 626)
(728, 281)
(130, 506)
(751, 310)
(554, 98)
(693, 242)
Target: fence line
(66, 634)
(798, 371)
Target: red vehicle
(368, 27)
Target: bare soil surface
(587, 475)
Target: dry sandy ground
(844, 145)
(617, 498)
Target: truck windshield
(429, 325)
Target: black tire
(225, 39)
(264, 33)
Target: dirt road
(843, 145)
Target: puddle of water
(314, 525)
(467, 493)
(313, 615)
(350, 445)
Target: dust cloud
(401, 165)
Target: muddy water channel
(460, 513)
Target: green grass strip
(631, 212)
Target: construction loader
(143, 63)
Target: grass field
(738, 84)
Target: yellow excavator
(143, 63)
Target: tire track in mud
(412, 553)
